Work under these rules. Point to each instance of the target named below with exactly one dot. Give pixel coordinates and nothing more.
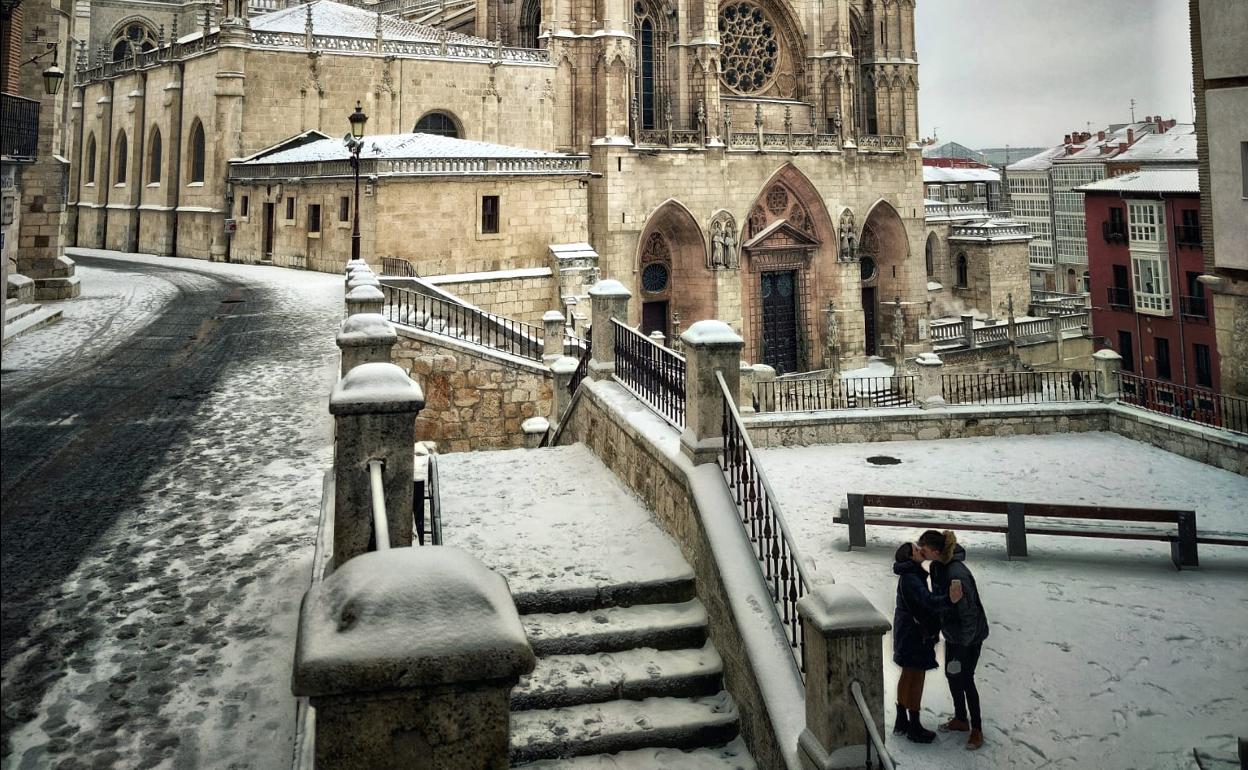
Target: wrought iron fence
(19, 126)
(449, 319)
(654, 373)
(1194, 307)
(1184, 403)
(763, 522)
(1019, 387)
(582, 366)
(398, 267)
(853, 393)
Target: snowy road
(163, 448)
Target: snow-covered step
(661, 626)
(623, 725)
(678, 586)
(636, 674)
(29, 321)
(16, 311)
(731, 756)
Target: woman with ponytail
(964, 626)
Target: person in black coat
(964, 626)
(916, 625)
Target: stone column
(843, 637)
(609, 300)
(375, 407)
(552, 344)
(710, 347)
(1108, 364)
(928, 383)
(365, 299)
(563, 367)
(745, 399)
(365, 338)
(1055, 317)
(766, 393)
(394, 681)
(968, 330)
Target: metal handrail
(759, 513)
(653, 373)
(435, 503)
(810, 395)
(1019, 387)
(886, 759)
(412, 308)
(1184, 402)
(381, 525)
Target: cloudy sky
(996, 72)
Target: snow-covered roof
(939, 174)
(1170, 180)
(331, 18)
(1178, 145)
(1041, 161)
(952, 150)
(395, 146)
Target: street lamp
(53, 75)
(354, 142)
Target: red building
(1145, 256)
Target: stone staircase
(21, 317)
(642, 683)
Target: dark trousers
(960, 663)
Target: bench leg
(1016, 532)
(1183, 549)
(857, 520)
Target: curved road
(160, 482)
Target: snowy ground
(552, 519)
(180, 524)
(1101, 654)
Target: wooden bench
(1183, 541)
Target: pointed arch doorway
(673, 276)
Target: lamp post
(355, 141)
(53, 75)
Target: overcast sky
(996, 72)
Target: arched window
(530, 23)
(134, 37)
(438, 123)
(91, 159)
(1072, 281)
(930, 255)
(1087, 282)
(197, 152)
(154, 152)
(122, 148)
(650, 27)
(963, 278)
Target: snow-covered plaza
(1101, 654)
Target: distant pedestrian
(965, 627)
(1076, 382)
(916, 626)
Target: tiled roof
(393, 146)
(1157, 180)
(331, 18)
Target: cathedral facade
(748, 160)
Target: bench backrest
(1112, 513)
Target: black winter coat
(965, 623)
(916, 621)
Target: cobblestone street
(163, 451)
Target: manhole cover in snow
(883, 460)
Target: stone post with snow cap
(374, 407)
(365, 299)
(1108, 366)
(352, 263)
(710, 347)
(843, 639)
(362, 278)
(765, 387)
(1055, 318)
(564, 369)
(553, 323)
(968, 330)
(358, 270)
(409, 657)
(609, 300)
(365, 338)
(928, 383)
(745, 400)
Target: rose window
(749, 48)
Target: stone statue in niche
(723, 242)
(831, 357)
(836, 122)
(849, 244)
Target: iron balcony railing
(1019, 387)
(19, 127)
(1119, 297)
(652, 372)
(1059, 300)
(764, 524)
(449, 319)
(1194, 307)
(818, 395)
(1184, 403)
(1187, 235)
(1114, 232)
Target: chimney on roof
(1148, 119)
(1122, 147)
(1066, 139)
(1100, 136)
(1130, 136)
(1085, 136)
(1159, 125)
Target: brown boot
(954, 725)
(975, 741)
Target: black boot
(917, 732)
(902, 725)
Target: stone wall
(474, 399)
(523, 299)
(664, 485)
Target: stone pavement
(160, 488)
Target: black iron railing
(1194, 307)
(1187, 235)
(874, 740)
(1019, 387)
(582, 366)
(19, 126)
(449, 319)
(398, 267)
(1114, 232)
(1119, 297)
(855, 393)
(764, 524)
(654, 373)
(428, 506)
(1179, 401)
